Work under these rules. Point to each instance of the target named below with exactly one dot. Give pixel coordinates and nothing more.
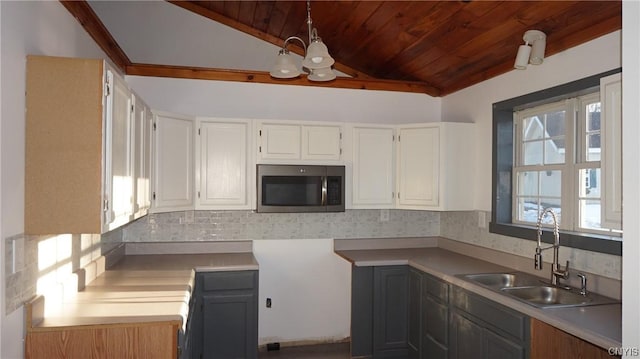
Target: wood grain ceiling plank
(353, 27)
(264, 77)
(296, 21)
(496, 42)
(380, 17)
(247, 12)
(98, 32)
(434, 44)
(232, 9)
(279, 14)
(262, 15)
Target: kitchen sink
(503, 280)
(534, 291)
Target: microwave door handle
(324, 191)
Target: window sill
(590, 242)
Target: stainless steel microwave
(292, 188)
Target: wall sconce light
(317, 61)
(532, 52)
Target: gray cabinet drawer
(436, 288)
(504, 319)
(229, 280)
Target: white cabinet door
(118, 168)
(279, 141)
(141, 142)
(173, 163)
(611, 160)
(418, 166)
(373, 170)
(223, 166)
(321, 142)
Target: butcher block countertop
(600, 325)
(143, 287)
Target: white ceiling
(144, 28)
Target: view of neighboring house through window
(557, 163)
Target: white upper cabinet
(611, 160)
(373, 167)
(418, 164)
(223, 171)
(118, 174)
(435, 166)
(282, 141)
(173, 163)
(321, 142)
(141, 142)
(279, 141)
(78, 166)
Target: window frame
(503, 156)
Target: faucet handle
(583, 284)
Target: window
(547, 154)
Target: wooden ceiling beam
(201, 73)
(96, 29)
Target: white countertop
(600, 325)
(142, 288)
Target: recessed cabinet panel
(280, 141)
(223, 164)
(373, 170)
(418, 161)
(611, 161)
(120, 180)
(173, 183)
(321, 142)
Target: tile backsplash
(464, 226)
(234, 225)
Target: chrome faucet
(556, 272)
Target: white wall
(285, 102)
(631, 173)
(43, 28)
(473, 104)
(310, 289)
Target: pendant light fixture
(317, 61)
(532, 52)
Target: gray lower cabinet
(225, 319)
(379, 313)
(481, 328)
(428, 336)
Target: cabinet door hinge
(393, 138)
(393, 195)
(132, 108)
(398, 138)
(154, 196)
(398, 195)
(198, 132)
(154, 126)
(341, 151)
(340, 135)
(105, 205)
(107, 89)
(260, 133)
(198, 194)
(260, 149)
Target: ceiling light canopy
(532, 52)
(317, 61)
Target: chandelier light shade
(317, 61)
(532, 52)
(285, 68)
(322, 74)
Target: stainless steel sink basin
(534, 291)
(545, 296)
(503, 280)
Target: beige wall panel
(63, 145)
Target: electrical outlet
(482, 219)
(384, 215)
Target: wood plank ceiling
(434, 47)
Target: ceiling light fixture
(317, 61)
(532, 52)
